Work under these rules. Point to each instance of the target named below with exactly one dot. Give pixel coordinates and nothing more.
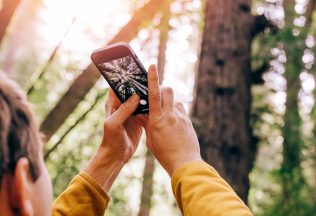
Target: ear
(21, 196)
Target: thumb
(124, 111)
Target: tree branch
(257, 75)
(81, 118)
(309, 12)
(51, 58)
(6, 13)
(261, 23)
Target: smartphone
(124, 72)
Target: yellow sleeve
(83, 196)
(199, 190)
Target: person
(26, 187)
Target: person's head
(25, 187)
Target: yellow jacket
(198, 188)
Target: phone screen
(126, 78)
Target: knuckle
(161, 122)
(155, 95)
(111, 126)
(125, 107)
(108, 126)
(184, 119)
(172, 120)
(180, 107)
(153, 77)
(156, 123)
(179, 104)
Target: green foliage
(279, 187)
(301, 205)
(118, 204)
(77, 148)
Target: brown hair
(19, 131)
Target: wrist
(180, 162)
(114, 153)
(105, 167)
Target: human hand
(122, 130)
(170, 134)
(121, 136)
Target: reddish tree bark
(23, 30)
(6, 14)
(221, 110)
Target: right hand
(170, 134)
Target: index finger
(113, 102)
(154, 96)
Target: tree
(292, 119)
(6, 14)
(294, 197)
(147, 187)
(221, 109)
(25, 16)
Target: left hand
(121, 136)
(122, 130)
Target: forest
(245, 70)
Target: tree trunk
(309, 12)
(23, 31)
(85, 81)
(293, 181)
(148, 182)
(6, 13)
(148, 177)
(164, 29)
(313, 71)
(221, 109)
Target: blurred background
(244, 69)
